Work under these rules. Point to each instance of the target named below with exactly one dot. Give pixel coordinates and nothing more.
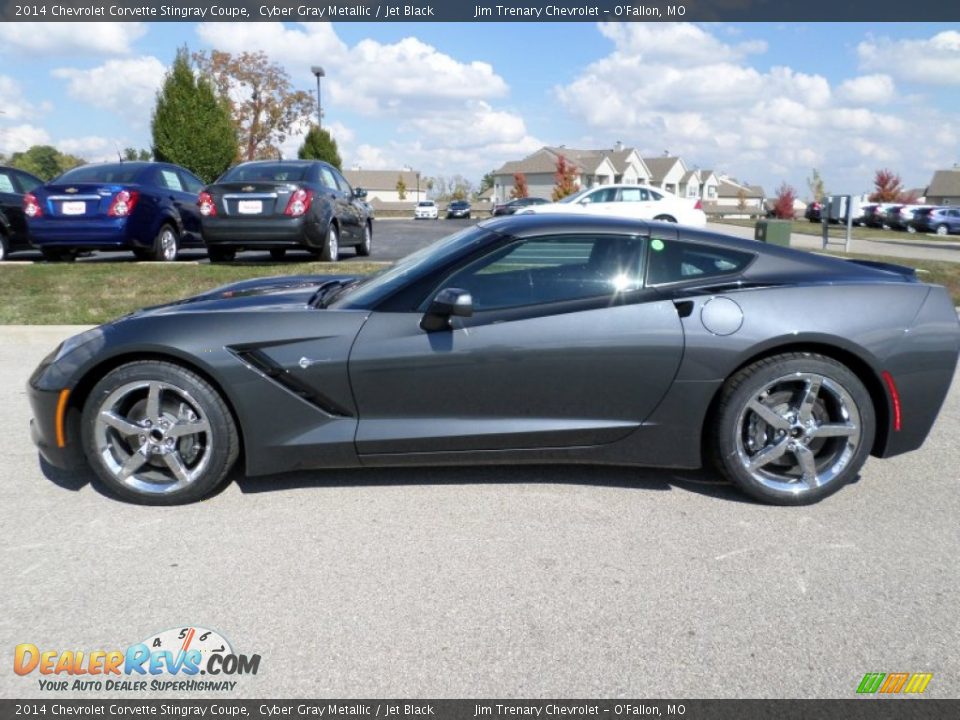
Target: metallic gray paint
(630, 383)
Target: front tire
(156, 433)
(366, 247)
(792, 429)
(166, 246)
(331, 246)
(666, 218)
(221, 254)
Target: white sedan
(426, 210)
(630, 201)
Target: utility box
(774, 232)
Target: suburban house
(593, 167)
(381, 185)
(668, 173)
(944, 188)
(735, 199)
(709, 185)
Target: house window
(712, 191)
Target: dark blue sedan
(147, 207)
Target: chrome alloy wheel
(153, 437)
(798, 433)
(168, 244)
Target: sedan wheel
(158, 434)
(166, 246)
(366, 247)
(4, 248)
(666, 218)
(331, 248)
(943, 230)
(221, 254)
(793, 429)
(278, 253)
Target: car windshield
(113, 173)
(576, 196)
(370, 290)
(428, 203)
(267, 172)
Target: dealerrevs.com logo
(172, 660)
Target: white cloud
(681, 87)
(89, 147)
(934, 61)
(369, 77)
(17, 138)
(12, 102)
(868, 89)
(69, 38)
(127, 87)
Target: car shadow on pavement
(73, 480)
(700, 481)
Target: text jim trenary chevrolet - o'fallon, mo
(580, 11)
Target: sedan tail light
(123, 203)
(207, 206)
(31, 207)
(298, 204)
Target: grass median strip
(93, 293)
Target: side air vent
(261, 362)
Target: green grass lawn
(93, 293)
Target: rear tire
(942, 230)
(156, 433)
(792, 429)
(166, 245)
(221, 254)
(331, 246)
(278, 253)
(666, 218)
(366, 247)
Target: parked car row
(155, 209)
(936, 219)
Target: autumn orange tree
(565, 179)
(263, 104)
(783, 203)
(519, 186)
(889, 188)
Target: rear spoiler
(907, 272)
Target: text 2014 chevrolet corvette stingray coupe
(521, 339)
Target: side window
(6, 183)
(552, 269)
(655, 195)
(342, 183)
(601, 196)
(191, 183)
(326, 177)
(675, 261)
(633, 195)
(170, 179)
(26, 182)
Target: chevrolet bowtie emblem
(248, 188)
(71, 190)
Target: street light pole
(319, 73)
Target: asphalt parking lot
(492, 582)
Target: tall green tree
(132, 154)
(320, 145)
(191, 126)
(44, 161)
(817, 188)
(270, 109)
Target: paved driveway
(534, 581)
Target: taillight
(698, 205)
(207, 206)
(894, 398)
(31, 206)
(298, 204)
(123, 203)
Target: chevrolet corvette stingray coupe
(525, 339)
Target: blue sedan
(147, 207)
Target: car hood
(291, 292)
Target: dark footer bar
(867, 708)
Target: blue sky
(761, 102)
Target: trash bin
(775, 232)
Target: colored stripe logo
(894, 683)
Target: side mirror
(359, 193)
(448, 303)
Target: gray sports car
(525, 339)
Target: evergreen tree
(320, 145)
(191, 126)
